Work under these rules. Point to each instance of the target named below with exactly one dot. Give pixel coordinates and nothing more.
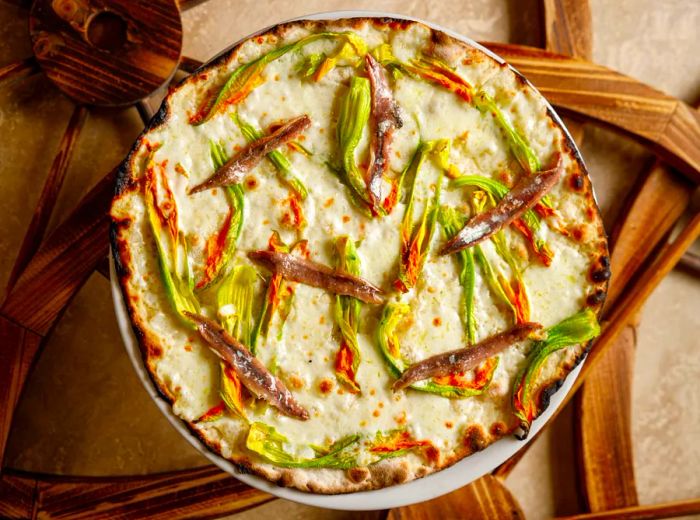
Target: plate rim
(429, 487)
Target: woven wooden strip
(483, 499)
(567, 26)
(198, 493)
(65, 260)
(648, 512)
(603, 407)
(18, 348)
(49, 194)
(668, 125)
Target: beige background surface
(85, 412)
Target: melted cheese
(308, 345)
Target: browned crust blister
(390, 471)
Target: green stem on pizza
(220, 247)
(277, 158)
(452, 221)
(454, 385)
(416, 237)
(248, 76)
(271, 445)
(353, 117)
(528, 225)
(234, 299)
(521, 149)
(346, 312)
(173, 258)
(574, 330)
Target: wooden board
(107, 52)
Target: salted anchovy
(253, 374)
(311, 273)
(525, 194)
(235, 168)
(385, 118)
(464, 359)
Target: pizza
(357, 251)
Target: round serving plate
(426, 488)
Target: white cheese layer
(306, 350)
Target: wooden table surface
(85, 412)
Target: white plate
(426, 488)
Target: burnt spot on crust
(576, 182)
(596, 298)
(546, 394)
(600, 270)
(122, 257)
(358, 475)
(498, 429)
(152, 348)
(474, 439)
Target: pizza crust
(126, 226)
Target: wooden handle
(195, 493)
(585, 89)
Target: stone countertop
(85, 412)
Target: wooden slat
(691, 263)
(65, 260)
(483, 499)
(603, 407)
(61, 266)
(49, 194)
(567, 30)
(194, 493)
(17, 497)
(666, 124)
(18, 348)
(659, 199)
(18, 70)
(651, 512)
(603, 428)
(567, 25)
(635, 296)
